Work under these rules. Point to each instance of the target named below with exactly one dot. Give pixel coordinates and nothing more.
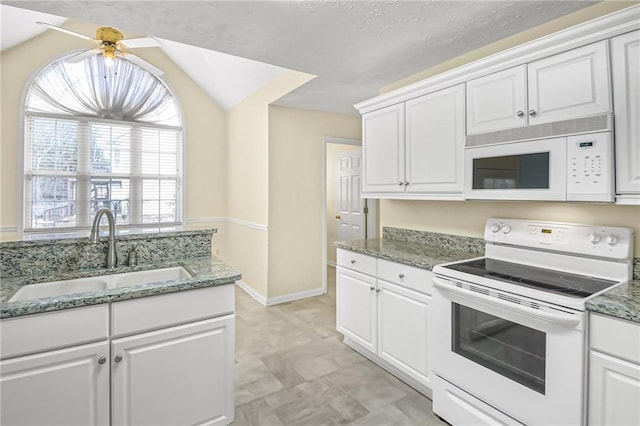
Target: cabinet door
(356, 307)
(63, 387)
(403, 330)
(179, 375)
(614, 391)
(435, 142)
(383, 150)
(570, 85)
(626, 99)
(497, 101)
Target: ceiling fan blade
(134, 43)
(144, 64)
(83, 55)
(64, 30)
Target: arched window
(100, 136)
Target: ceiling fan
(111, 44)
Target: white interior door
(349, 203)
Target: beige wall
(468, 217)
(333, 150)
(246, 248)
(583, 15)
(295, 196)
(205, 158)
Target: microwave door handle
(554, 318)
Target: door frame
(371, 217)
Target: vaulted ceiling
(354, 47)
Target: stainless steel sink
(101, 282)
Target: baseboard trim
(294, 296)
(251, 292)
(332, 263)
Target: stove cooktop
(552, 281)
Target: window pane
(53, 202)
(54, 145)
(112, 194)
(110, 149)
(159, 202)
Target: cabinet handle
(353, 261)
(102, 360)
(400, 183)
(378, 291)
(118, 358)
(401, 276)
(406, 183)
(532, 112)
(520, 113)
(338, 217)
(372, 288)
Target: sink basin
(102, 282)
(58, 288)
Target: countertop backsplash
(39, 257)
(434, 239)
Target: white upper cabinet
(497, 101)
(415, 148)
(383, 150)
(435, 142)
(625, 57)
(568, 85)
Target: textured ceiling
(354, 47)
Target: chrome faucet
(95, 235)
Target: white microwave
(566, 168)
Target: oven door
(527, 170)
(525, 362)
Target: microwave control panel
(590, 167)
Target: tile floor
(293, 369)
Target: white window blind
(74, 167)
(98, 137)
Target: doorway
(347, 216)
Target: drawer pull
(353, 261)
(401, 276)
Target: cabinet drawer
(357, 262)
(53, 330)
(165, 310)
(417, 279)
(615, 336)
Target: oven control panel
(600, 241)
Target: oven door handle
(555, 318)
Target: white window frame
(83, 229)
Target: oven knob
(612, 239)
(495, 228)
(506, 229)
(594, 238)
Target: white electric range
(511, 327)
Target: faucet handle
(133, 256)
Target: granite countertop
(409, 253)
(206, 271)
(622, 302)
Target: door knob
(338, 217)
(118, 358)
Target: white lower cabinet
(383, 311)
(176, 370)
(63, 387)
(173, 376)
(614, 372)
(403, 330)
